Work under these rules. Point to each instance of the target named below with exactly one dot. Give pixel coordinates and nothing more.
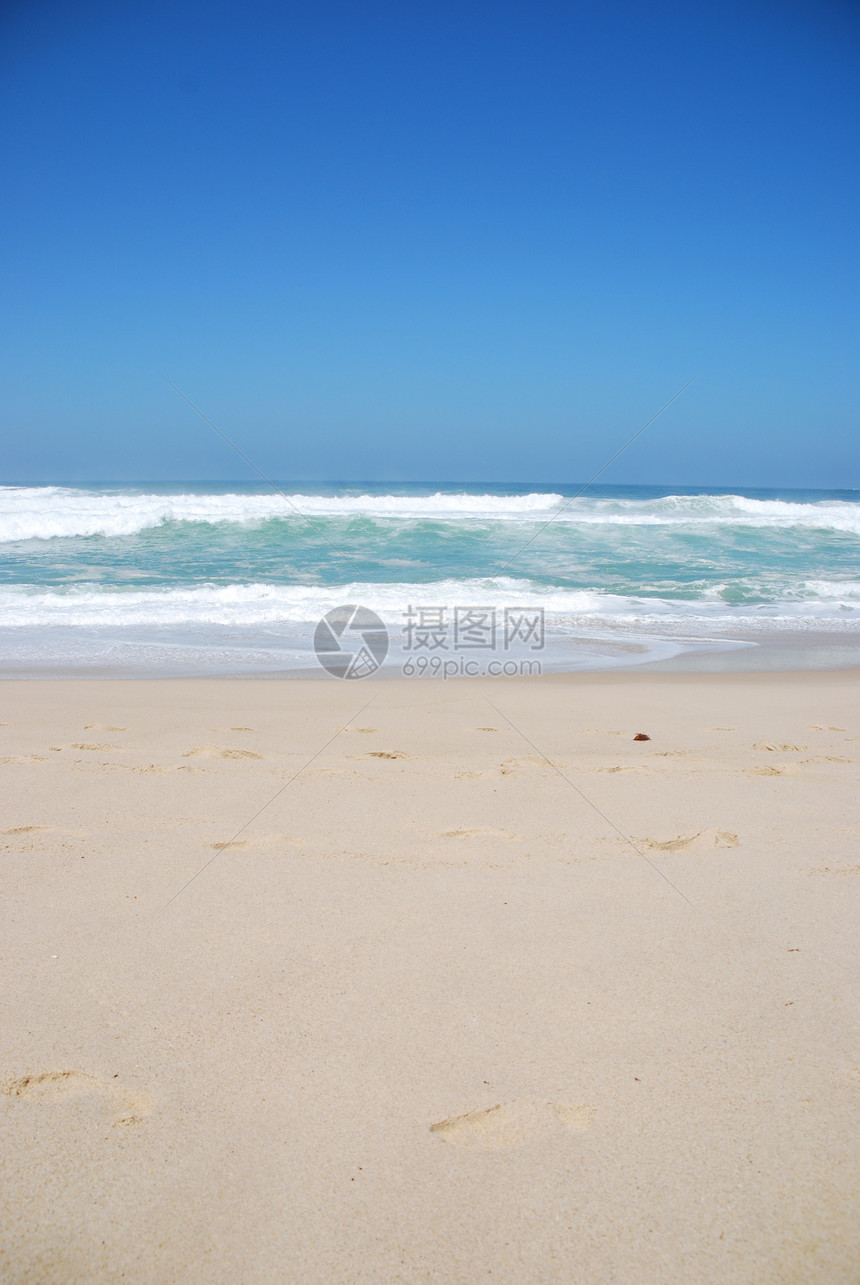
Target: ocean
(234, 579)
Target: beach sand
(484, 989)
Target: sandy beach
(431, 981)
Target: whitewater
(53, 512)
(233, 578)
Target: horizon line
(442, 482)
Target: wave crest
(41, 513)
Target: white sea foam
(817, 604)
(30, 513)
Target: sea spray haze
(213, 579)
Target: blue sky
(464, 241)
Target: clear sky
(463, 241)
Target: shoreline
(776, 653)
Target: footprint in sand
(103, 727)
(788, 769)
(95, 745)
(625, 768)
(219, 752)
(128, 1106)
(339, 772)
(485, 832)
(703, 841)
(18, 760)
(512, 1124)
(773, 745)
(259, 841)
(383, 754)
(510, 766)
(31, 831)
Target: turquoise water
(233, 578)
